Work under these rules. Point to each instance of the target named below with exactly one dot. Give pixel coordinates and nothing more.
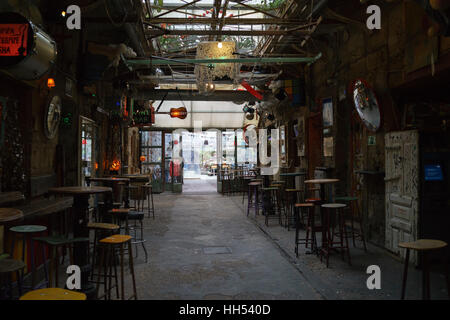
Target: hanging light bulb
(219, 45)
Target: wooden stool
(355, 214)
(54, 243)
(109, 245)
(328, 233)
(253, 197)
(106, 229)
(309, 226)
(26, 231)
(53, 294)
(246, 181)
(121, 215)
(7, 268)
(292, 197)
(151, 207)
(270, 204)
(280, 200)
(423, 246)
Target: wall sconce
(51, 83)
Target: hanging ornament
(252, 91)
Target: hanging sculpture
(207, 73)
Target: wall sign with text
(16, 38)
(13, 39)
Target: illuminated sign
(13, 39)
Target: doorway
(87, 145)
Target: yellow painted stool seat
(102, 226)
(53, 294)
(423, 244)
(116, 239)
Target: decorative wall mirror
(52, 117)
(366, 104)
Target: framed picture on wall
(328, 146)
(327, 112)
(299, 131)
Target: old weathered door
(402, 183)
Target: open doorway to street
(200, 157)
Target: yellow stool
(109, 245)
(53, 294)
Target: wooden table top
(322, 181)
(79, 190)
(110, 179)
(423, 244)
(141, 177)
(293, 174)
(10, 214)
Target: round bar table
(112, 182)
(8, 215)
(81, 218)
(322, 183)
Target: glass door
(152, 151)
(168, 164)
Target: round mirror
(52, 117)
(366, 104)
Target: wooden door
(402, 182)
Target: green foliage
(158, 4)
(270, 4)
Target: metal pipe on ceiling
(147, 62)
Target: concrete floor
(191, 230)
(182, 239)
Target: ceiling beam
(156, 32)
(228, 21)
(188, 95)
(147, 62)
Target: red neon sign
(13, 39)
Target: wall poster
(327, 112)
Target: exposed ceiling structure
(161, 39)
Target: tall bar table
(81, 218)
(323, 183)
(112, 182)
